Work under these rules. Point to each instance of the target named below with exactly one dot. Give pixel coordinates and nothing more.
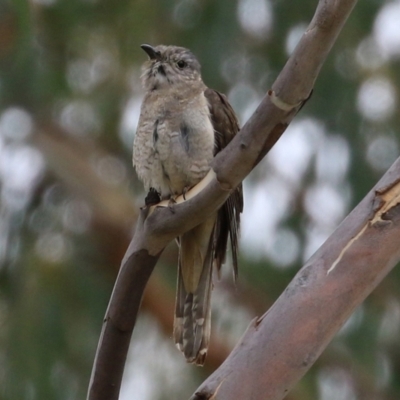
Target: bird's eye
(181, 64)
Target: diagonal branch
(157, 227)
(279, 348)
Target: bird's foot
(171, 203)
(185, 190)
(152, 198)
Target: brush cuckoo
(182, 125)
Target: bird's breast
(179, 136)
(185, 144)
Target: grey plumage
(182, 125)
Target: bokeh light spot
(335, 383)
(15, 123)
(285, 248)
(387, 29)
(376, 99)
(255, 17)
(79, 118)
(187, 14)
(369, 55)
(77, 216)
(381, 152)
(324, 204)
(52, 247)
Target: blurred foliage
(69, 102)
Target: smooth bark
(279, 348)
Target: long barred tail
(192, 326)
(199, 250)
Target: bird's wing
(226, 126)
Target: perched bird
(182, 125)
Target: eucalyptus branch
(280, 347)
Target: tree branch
(119, 320)
(229, 168)
(279, 348)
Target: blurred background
(70, 98)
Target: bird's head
(169, 66)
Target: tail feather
(179, 311)
(192, 325)
(192, 330)
(201, 311)
(200, 249)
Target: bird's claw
(171, 203)
(185, 190)
(152, 198)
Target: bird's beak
(151, 51)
